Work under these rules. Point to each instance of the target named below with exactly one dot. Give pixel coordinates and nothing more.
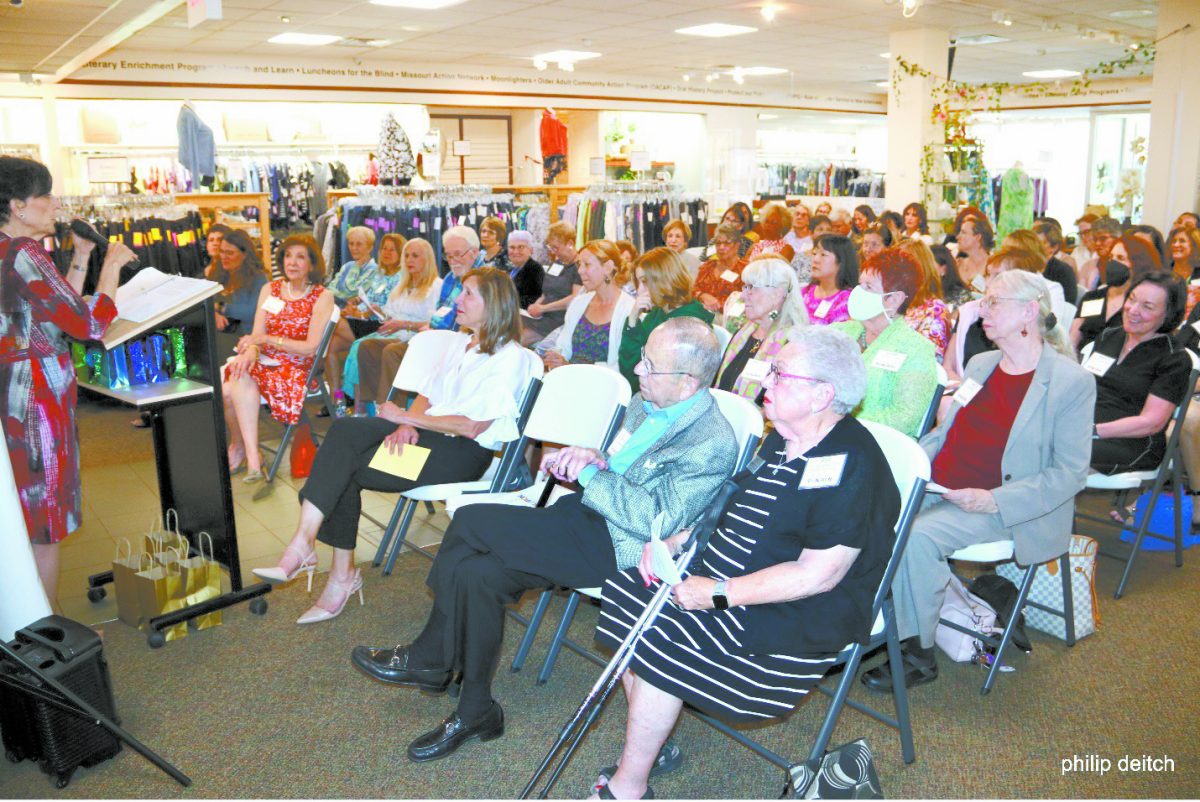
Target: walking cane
(589, 709)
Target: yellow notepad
(407, 464)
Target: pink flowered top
(931, 319)
(823, 311)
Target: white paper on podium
(152, 292)
(22, 599)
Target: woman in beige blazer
(1008, 461)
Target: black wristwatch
(719, 599)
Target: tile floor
(121, 501)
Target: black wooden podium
(188, 426)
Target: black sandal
(670, 758)
(604, 793)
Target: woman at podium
(39, 311)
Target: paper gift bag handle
(128, 549)
(212, 552)
(170, 517)
(142, 558)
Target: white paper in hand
(660, 555)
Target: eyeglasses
(456, 255)
(775, 374)
(650, 371)
(988, 303)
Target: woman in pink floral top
(39, 311)
(834, 275)
(927, 313)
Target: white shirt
(407, 305)
(482, 387)
(799, 244)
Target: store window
(1116, 175)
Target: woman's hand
(694, 593)
(534, 309)
(392, 326)
(397, 440)
(390, 411)
(119, 254)
(642, 303)
(674, 543)
(972, 499)
(553, 359)
(222, 321)
(240, 365)
(710, 302)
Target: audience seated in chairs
(664, 292)
(274, 360)
(1130, 260)
(774, 223)
(408, 308)
(721, 275)
(242, 275)
(834, 275)
(676, 236)
(596, 318)
(1013, 453)
(787, 579)
(523, 269)
(773, 309)
(493, 242)
(560, 285)
(359, 315)
(360, 241)
(378, 365)
(927, 313)
(676, 450)
(465, 412)
(1141, 376)
(901, 364)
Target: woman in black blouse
(1141, 376)
(1101, 308)
(787, 579)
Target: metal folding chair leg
(1006, 638)
(388, 532)
(560, 636)
(531, 630)
(398, 540)
(283, 444)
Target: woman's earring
(1024, 332)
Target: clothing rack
(556, 193)
(637, 211)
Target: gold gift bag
(201, 582)
(124, 571)
(161, 539)
(157, 587)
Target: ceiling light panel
(1047, 74)
(419, 5)
(307, 39)
(566, 56)
(716, 29)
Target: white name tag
(555, 269)
(823, 472)
(619, 442)
(1092, 308)
(967, 391)
(823, 308)
(729, 276)
(1194, 282)
(1196, 326)
(756, 370)
(888, 360)
(1098, 364)
(273, 305)
(442, 311)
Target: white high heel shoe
(317, 614)
(277, 576)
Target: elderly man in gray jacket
(672, 454)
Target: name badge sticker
(729, 276)
(967, 391)
(1098, 364)
(756, 370)
(888, 360)
(273, 305)
(1092, 308)
(555, 269)
(823, 308)
(822, 472)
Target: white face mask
(865, 305)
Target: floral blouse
(823, 311)
(709, 280)
(931, 319)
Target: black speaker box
(32, 729)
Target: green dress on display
(901, 374)
(1016, 202)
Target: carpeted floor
(263, 708)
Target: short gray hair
(520, 235)
(694, 348)
(833, 357)
(1108, 224)
(464, 233)
(775, 272)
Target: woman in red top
(1009, 459)
(274, 360)
(39, 310)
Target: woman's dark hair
(21, 179)
(1156, 237)
(982, 227)
(316, 262)
(867, 212)
(250, 265)
(884, 232)
(892, 219)
(952, 282)
(745, 216)
(1144, 258)
(846, 254)
(922, 217)
(218, 228)
(818, 219)
(1176, 297)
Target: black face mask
(1115, 273)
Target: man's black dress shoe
(390, 664)
(453, 733)
(916, 672)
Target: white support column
(732, 162)
(909, 128)
(1173, 156)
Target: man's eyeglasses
(457, 255)
(650, 371)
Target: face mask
(864, 304)
(1115, 273)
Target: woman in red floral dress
(273, 361)
(39, 310)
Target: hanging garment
(1016, 210)
(197, 149)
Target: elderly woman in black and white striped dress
(787, 579)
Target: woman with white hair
(786, 580)
(774, 307)
(1010, 458)
(360, 241)
(523, 269)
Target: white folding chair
(747, 422)
(316, 375)
(425, 353)
(910, 470)
(1133, 483)
(500, 475)
(723, 336)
